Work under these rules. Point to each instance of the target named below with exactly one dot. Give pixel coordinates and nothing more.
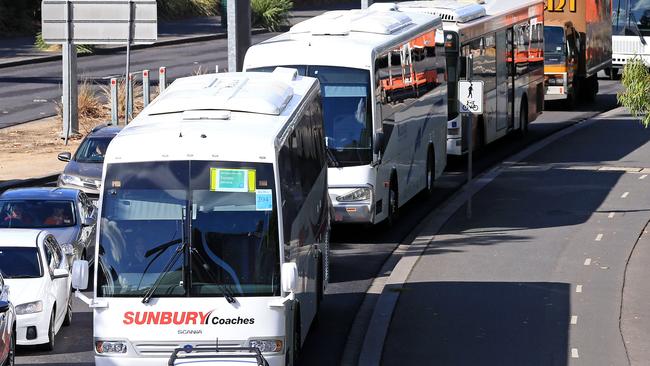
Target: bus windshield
(554, 44)
(636, 21)
(221, 216)
(347, 110)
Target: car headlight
(71, 179)
(29, 308)
(267, 345)
(359, 194)
(104, 347)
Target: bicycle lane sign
(470, 96)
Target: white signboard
(99, 22)
(470, 97)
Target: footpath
(551, 269)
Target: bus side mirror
(80, 275)
(289, 277)
(378, 143)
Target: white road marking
(40, 100)
(643, 176)
(624, 195)
(574, 353)
(574, 319)
(599, 237)
(611, 215)
(587, 261)
(579, 288)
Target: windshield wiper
(166, 269)
(331, 157)
(636, 29)
(20, 276)
(226, 291)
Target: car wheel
(11, 355)
(68, 314)
(49, 346)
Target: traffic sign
(99, 22)
(470, 97)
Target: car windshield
(19, 262)
(347, 114)
(221, 216)
(637, 20)
(554, 44)
(92, 150)
(36, 214)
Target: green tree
(636, 93)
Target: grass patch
(270, 14)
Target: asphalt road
(357, 252)
(29, 92)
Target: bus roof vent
(448, 10)
(237, 93)
(381, 19)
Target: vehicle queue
(215, 203)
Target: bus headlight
(29, 308)
(267, 345)
(104, 347)
(359, 194)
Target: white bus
(214, 224)
(630, 33)
(506, 41)
(384, 102)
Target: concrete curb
(373, 343)
(112, 50)
(18, 183)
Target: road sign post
(146, 93)
(470, 103)
(72, 22)
(114, 103)
(239, 33)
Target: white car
(36, 270)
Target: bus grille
(630, 45)
(164, 349)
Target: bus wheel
(393, 202)
(431, 172)
(523, 118)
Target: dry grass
(94, 111)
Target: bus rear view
(205, 243)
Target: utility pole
(365, 4)
(239, 33)
(69, 92)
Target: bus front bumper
(353, 212)
(273, 360)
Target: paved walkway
(536, 277)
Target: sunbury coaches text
(181, 318)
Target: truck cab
(561, 50)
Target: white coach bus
(382, 77)
(506, 41)
(214, 224)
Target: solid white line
(579, 288)
(611, 215)
(643, 176)
(574, 319)
(624, 195)
(587, 261)
(599, 237)
(574, 353)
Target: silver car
(66, 213)
(84, 169)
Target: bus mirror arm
(92, 303)
(378, 145)
(281, 302)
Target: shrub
(636, 96)
(177, 9)
(270, 14)
(41, 45)
(19, 17)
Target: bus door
(504, 82)
(510, 61)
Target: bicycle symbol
(470, 106)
